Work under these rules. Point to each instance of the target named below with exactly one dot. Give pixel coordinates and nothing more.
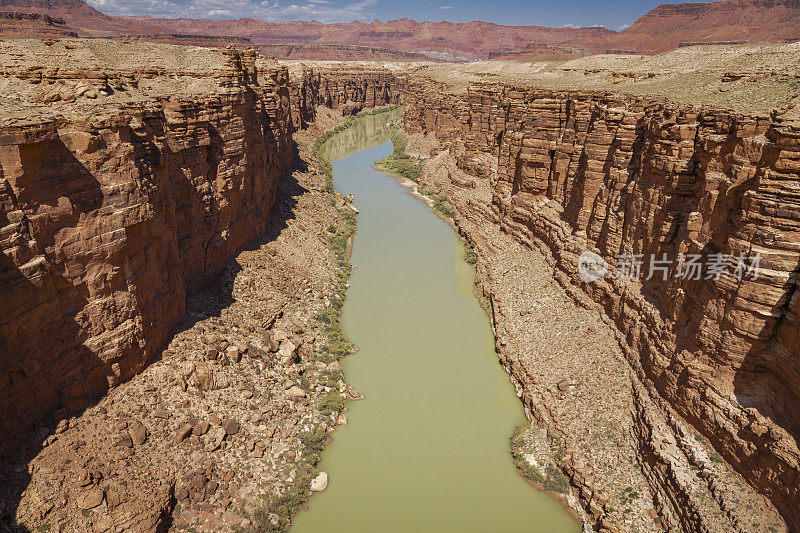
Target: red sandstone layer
(109, 220)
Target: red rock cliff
(623, 175)
(347, 88)
(108, 220)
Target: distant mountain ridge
(666, 27)
(460, 41)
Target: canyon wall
(108, 220)
(351, 89)
(619, 175)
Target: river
(428, 447)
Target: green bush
(332, 401)
(469, 254)
(314, 440)
(287, 504)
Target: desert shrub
(332, 401)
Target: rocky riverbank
(225, 428)
(172, 272)
(628, 461)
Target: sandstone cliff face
(108, 220)
(345, 88)
(623, 175)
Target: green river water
(428, 448)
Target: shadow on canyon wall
(761, 384)
(54, 173)
(208, 300)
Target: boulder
(91, 498)
(296, 393)
(319, 483)
(214, 439)
(231, 427)
(138, 432)
(183, 432)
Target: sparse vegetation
(552, 479)
(399, 163)
(314, 440)
(336, 345)
(332, 401)
(285, 505)
(469, 254)
(330, 378)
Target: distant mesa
(336, 52)
(541, 52)
(20, 25)
(187, 39)
(726, 22)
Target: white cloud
(570, 26)
(322, 10)
(623, 27)
(445, 7)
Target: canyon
(170, 286)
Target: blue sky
(614, 15)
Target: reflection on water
(428, 449)
(364, 133)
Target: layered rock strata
(350, 89)
(615, 175)
(109, 220)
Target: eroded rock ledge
(567, 171)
